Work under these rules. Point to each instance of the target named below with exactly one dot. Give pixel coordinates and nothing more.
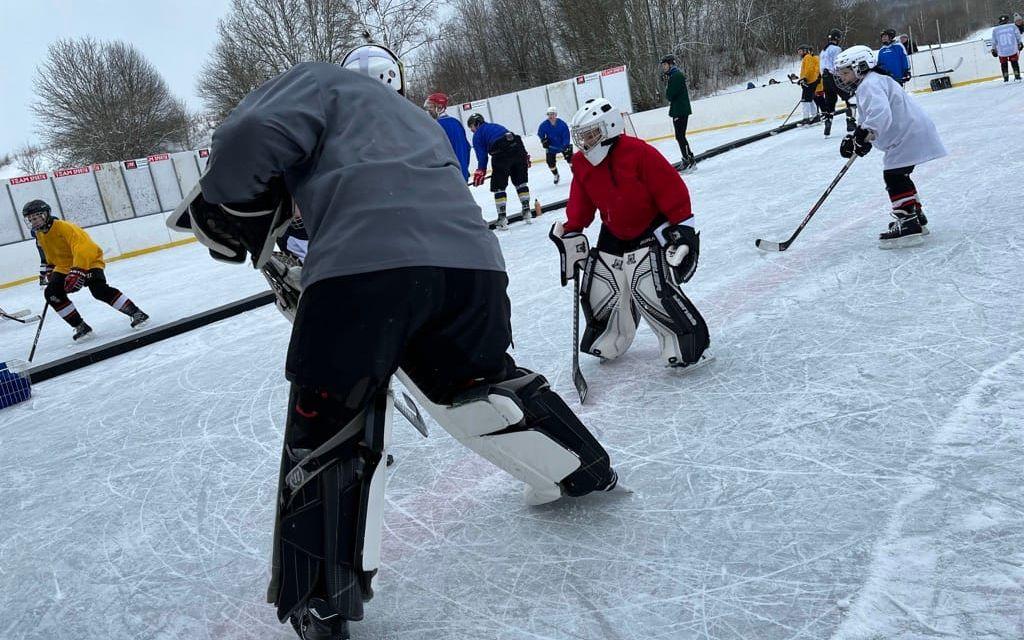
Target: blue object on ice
(14, 387)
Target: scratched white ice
(848, 468)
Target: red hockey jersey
(631, 187)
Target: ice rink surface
(850, 466)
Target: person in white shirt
(1006, 46)
(828, 79)
(889, 119)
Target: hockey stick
(39, 330)
(765, 245)
(791, 113)
(21, 316)
(577, 376)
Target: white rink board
(505, 111)
(469, 108)
(186, 169)
(562, 96)
(79, 197)
(166, 181)
(587, 87)
(615, 87)
(113, 191)
(533, 103)
(10, 229)
(140, 187)
(40, 189)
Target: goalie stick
(577, 376)
(765, 245)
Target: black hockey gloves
(573, 249)
(681, 244)
(858, 142)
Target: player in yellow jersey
(74, 261)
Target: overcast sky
(174, 35)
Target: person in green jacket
(679, 110)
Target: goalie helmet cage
(15, 386)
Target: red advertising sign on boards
(97, 167)
(204, 153)
(580, 79)
(613, 71)
(130, 164)
(77, 171)
(35, 177)
(466, 106)
(157, 157)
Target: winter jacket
(557, 135)
(457, 136)
(68, 246)
(631, 187)
(677, 94)
(810, 72)
(485, 136)
(902, 129)
(892, 59)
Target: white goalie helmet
(594, 127)
(860, 60)
(379, 62)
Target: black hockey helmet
(35, 207)
(668, 59)
(475, 120)
(1004, 19)
(805, 47)
(835, 35)
(889, 32)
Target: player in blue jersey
(436, 104)
(554, 137)
(510, 161)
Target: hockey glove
(573, 248)
(545, 142)
(681, 244)
(233, 231)
(994, 55)
(478, 177)
(75, 280)
(801, 82)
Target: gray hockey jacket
(375, 178)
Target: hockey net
(14, 383)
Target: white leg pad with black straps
(611, 317)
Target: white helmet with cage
(379, 62)
(594, 127)
(858, 59)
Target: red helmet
(440, 99)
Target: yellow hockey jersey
(810, 71)
(67, 245)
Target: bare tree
(101, 101)
(404, 26)
(29, 158)
(262, 38)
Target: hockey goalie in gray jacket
(402, 278)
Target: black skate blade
(902, 243)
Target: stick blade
(765, 245)
(581, 385)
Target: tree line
(102, 101)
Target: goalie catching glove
(233, 231)
(681, 244)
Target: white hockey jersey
(902, 129)
(1006, 40)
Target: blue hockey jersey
(892, 58)
(457, 136)
(486, 134)
(557, 134)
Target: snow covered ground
(848, 468)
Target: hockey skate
(828, 126)
(502, 224)
(705, 358)
(139, 318)
(904, 231)
(535, 497)
(318, 621)
(527, 214)
(555, 177)
(82, 332)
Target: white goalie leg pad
(527, 454)
(644, 292)
(611, 317)
(374, 506)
